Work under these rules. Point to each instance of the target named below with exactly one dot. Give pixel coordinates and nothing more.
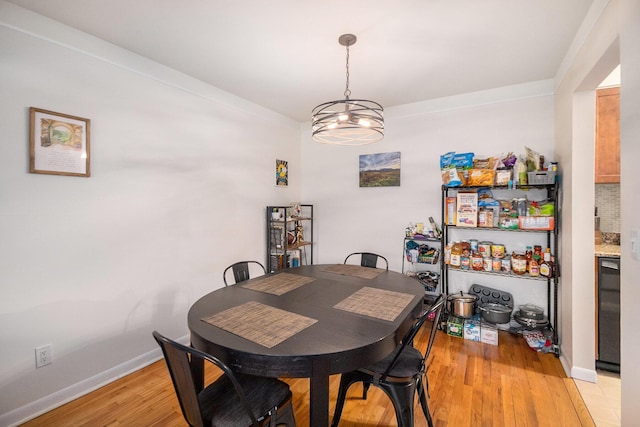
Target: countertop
(608, 250)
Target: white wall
(181, 175)
(350, 218)
(629, 154)
(610, 39)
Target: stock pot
(462, 305)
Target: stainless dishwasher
(608, 314)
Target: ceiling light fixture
(347, 121)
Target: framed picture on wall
(282, 173)
(58, 143)
(380, 170)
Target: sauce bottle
(546, 268)
(529, 257)
(534, 266)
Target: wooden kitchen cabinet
(607, 146)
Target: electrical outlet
(43, 356)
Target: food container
(477, 262)
(462, 305)
(518, 263)
(506, 264)
(495, 313)
(530, 311)
(497, 250)
(485, 249)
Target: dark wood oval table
(338, 341)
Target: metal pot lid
(462, 297)
(496, 308)
(529, 320)
(531, 311)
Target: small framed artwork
(380, 170)
(58, 143)
(282, 173)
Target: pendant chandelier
(347, 121)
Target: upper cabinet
(607, 152)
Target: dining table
(310, 322)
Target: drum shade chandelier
(347, 121)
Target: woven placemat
(378, 303)
(278, 284)
(355, 271)
(260, 323)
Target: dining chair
(368, 259)
(400, 375)
(240, 271)
(232, 400)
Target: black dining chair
(232, 400)
(400, 375)
(368, 259)
(240, 271)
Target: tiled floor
(602, 399)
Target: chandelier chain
(347, 91)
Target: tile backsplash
(608, 203)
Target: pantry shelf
(464, 225)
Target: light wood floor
(471, 384)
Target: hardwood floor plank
(470, 384)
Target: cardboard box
(467, 209)
(488, 333)
(455, 326)
(450, 211)
(472, 330)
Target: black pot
(495, 313)
(530, 311)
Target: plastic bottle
(447, 253)
(529, 256)
(534, 266)
(546, 268)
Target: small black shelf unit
(289, 236)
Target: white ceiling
(284, 54)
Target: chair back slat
(368, 259)
(240, 271)
(436, 310)
(180, 369)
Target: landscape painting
(380, 170)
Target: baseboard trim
(67, 394)
(583, 374)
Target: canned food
(485, 249)
(477, 262)
(465, 262)
(488, 264)
(505, 267)
(473, 243)
(497, 251)
(496, 264)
